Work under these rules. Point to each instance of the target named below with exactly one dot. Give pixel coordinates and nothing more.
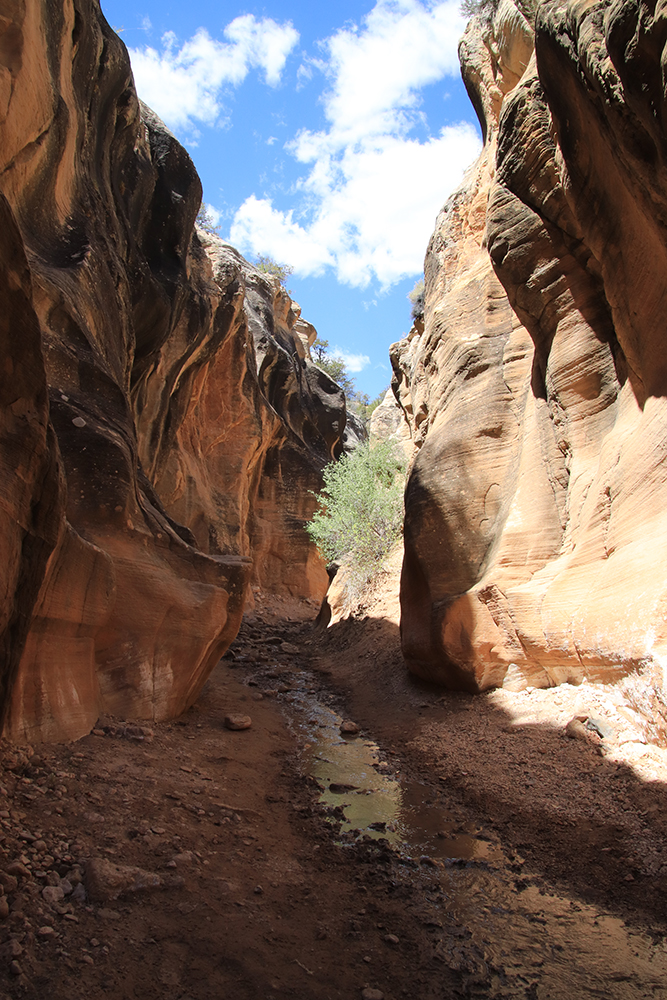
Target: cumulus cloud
(353, 362)
(183, 84)
(368, 201)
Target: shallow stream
(376, 799)
(509, 936)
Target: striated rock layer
(535, 534)
(160, 420)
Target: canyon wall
(535, 532)
(160, 420)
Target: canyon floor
(495, 856)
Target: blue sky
(327, 136)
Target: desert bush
(361, 509)
(206, 221)
(267, 265)
(334, 366)
(416, 297)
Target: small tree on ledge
(267, 265)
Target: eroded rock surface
(157, 404)
(535, 530)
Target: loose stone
(238, 722)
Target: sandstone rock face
(388, 423)
(157, 403)
(535, 531)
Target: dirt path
(194, 862)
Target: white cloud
(353, 362)
(183, 85)
(369, 200)
(377, 72)
(263, 229)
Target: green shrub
(267, 265)
(416, 296)
(335, 367)
(205, 220)
(361, 511)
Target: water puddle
(510, 937)
(368, 796)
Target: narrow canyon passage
(192, 861)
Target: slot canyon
(226, 773)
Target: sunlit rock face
(535, 529)
(151, 441)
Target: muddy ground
(188, 861)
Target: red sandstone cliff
(160, 419)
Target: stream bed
(510, 935)
(376, 800)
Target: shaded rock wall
(535, 530)
(158, 411)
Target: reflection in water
(376, 802)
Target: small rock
(87, 959)
(391, 939)
(576, 730)
(238, 722)
(12, 949)
(349, 728)
(18, 870)
(79, 422)
(66, 886)
(258, 890)
(105, 914)
(370, 994)
(4, 908)
(79, 894)
(98, 732)
(289, 647)
(94, 943)
(186, 858)
(46, 931)
(52, 894)
(15, 969)
(108, 881)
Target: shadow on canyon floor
(594, 826)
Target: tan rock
(107, 881)
(535, 529)
(238, 722)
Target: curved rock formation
(535, 533)
(157, 404)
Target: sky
(326, 135)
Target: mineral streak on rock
(160, 420)
(535, 534)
